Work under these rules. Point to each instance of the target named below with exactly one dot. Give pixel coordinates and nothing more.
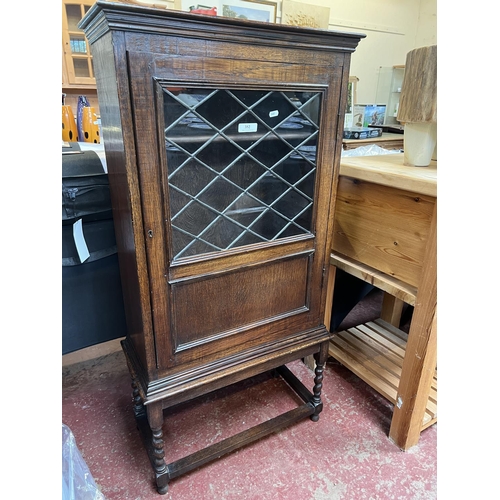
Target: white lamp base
(419, 143)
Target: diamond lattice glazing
(241, 166)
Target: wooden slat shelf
(374, 351)
(399, 289)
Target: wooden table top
(389, 170)
(386, 136)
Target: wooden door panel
(241, 300)
(269, 298)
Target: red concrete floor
(345, 455)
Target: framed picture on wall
(253, 10)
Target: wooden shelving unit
(374, 351)
(385, 234)
(77, 67)
(77, 59)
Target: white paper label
(80, 243)
(247, 127)
(272, 114)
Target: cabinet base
(147, 417)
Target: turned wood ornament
(418, 106)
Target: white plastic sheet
(77, 481)
(370, 150)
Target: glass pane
(77, 44)
(74, 15)
(81, 67)
(241, 166)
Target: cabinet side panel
(334, 125)
(120, 159)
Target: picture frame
(358, 115)
(304, 14)
(190, 5)
(374, 115)
(253, 10)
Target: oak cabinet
(223, 140)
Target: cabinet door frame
(152, 172)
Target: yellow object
(69, 131)
(90, 125)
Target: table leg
(419, 363)
(392, 308)
(320, 358)
(330, 285)
(155, 420)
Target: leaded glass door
(241, 166)
(235, 181)
(240, 175)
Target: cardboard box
(362, 132)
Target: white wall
(427, 24)
(392, 28)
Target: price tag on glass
(247, 127)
